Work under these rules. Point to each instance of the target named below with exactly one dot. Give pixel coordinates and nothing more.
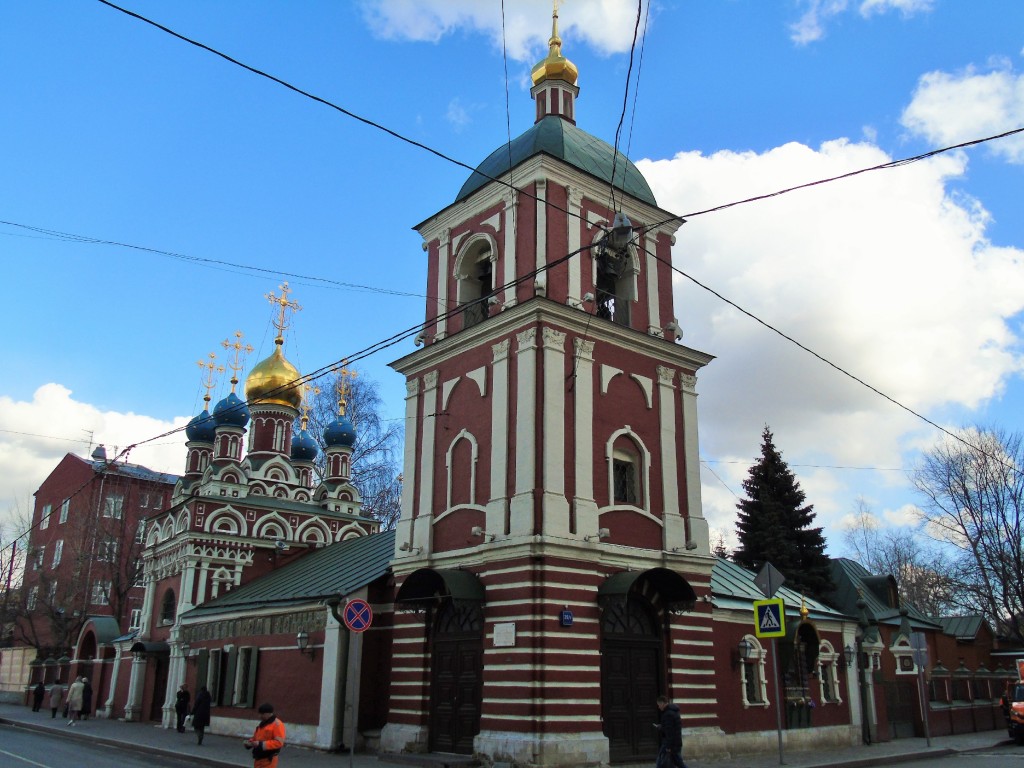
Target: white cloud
(885, 274)
(811, 25)
(950, 108)
(606, 25)
(457, 115)
(35, 435)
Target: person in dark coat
(56, 699)
(37, 696)
(181, 701)
(671, 731)
(201, 713)
(86, 698)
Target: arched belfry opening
(635, 621)
(474, 274)
(451, 602)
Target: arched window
(168, 608)
(615, 285)
(475, 276)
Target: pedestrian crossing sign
(770, 618)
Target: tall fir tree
(774, 525)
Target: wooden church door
(456, 684)
(632, 678)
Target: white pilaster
(556, 506)
(574, 220)
(509, 274)
(583, 399)
(423, 523)
(526, 434)
(443, 260)
(691, 452)
(654, 323)
(500, 447)
(673, 523)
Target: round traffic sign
(358, 615)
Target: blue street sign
(358, 615)
(770, 618)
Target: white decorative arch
(272, 526)
(753, 676)
(474, 452)
(313, 531)
(184, 521)
(644, 473)
(350, 531)
(227, 520)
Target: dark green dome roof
(561, 139)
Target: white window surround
(756, 662)
(643, 468)
(828, 671)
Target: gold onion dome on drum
(274, 381)
(555, 66)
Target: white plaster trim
(480, 377)
(647, 385)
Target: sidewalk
(227, 752)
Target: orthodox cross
(281, 322)
(309, 391)
(240, 353)
(344, 384)
(208, 379)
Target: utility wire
(639, 69)
(625, 104)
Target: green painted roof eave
(564, 141)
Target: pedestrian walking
(75, 693)
(267, 740)
(56, 698)
(201, 713)
(670, 728)
(182, 699)
(37, 696)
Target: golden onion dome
(274, 381)
(555, 66)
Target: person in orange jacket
(268, 738)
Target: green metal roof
(732, 586)
(851, 579)
(338, 569)
(560, 139)
(960, 627)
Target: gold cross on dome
(208, 379)
(309, 391)
(344, 384)
(281, 322)
(241, 350)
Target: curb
(130, 746)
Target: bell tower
(551, 461)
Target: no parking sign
(358, 615)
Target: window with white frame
(100, 593)
(33, 598)
(140, 532)
(51, 592)
(828, 674)
(753, 680)
(140, 573)
(136, 619)
(40, 558)
(113, 505)
(58, 551)
(44, 520)
(65, 509)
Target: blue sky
(909, 278)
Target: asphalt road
(1003, 754)
(22, 748)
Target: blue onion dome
(201, 428)
(340, 432)
(304, 447)
(231, 412)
